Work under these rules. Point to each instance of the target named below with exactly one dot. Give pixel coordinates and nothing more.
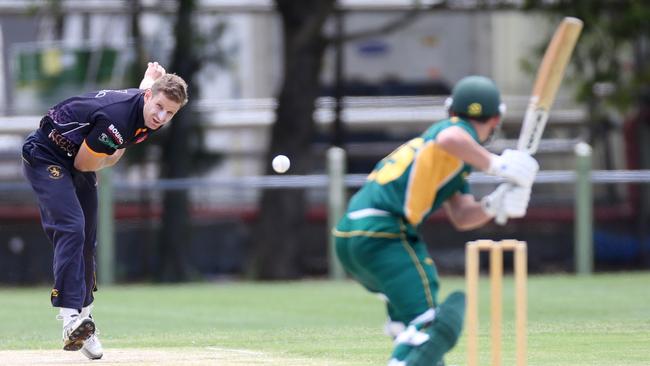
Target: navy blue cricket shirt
(107, 119)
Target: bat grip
(501, 218)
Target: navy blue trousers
(67, 199)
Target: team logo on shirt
(140, 135)
(104, 139)
(102, 93)
(55, 171)
(115, 134)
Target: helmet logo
(474, 109)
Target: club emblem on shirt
(140, 135)
(55, 171)
(104, 139)
(102, 93)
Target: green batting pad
(444, 332)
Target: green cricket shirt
(415, 179)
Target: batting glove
(507, 200)
(515, 166)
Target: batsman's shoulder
(453, 137)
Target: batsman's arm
(515, 166)
(459, 143)
(465, 213)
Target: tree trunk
(279, 231)
(140, 62)
(175, 231)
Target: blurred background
(200, 201)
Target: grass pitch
(599, 320)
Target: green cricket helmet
(476, 97)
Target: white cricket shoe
(93, 348)
(76, 332)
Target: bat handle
(501, 218)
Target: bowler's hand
(154, 72)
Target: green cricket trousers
(388, 256)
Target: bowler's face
(158, 110)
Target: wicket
(472, 269)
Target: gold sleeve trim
(370, 234)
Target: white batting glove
(515, 166)
(507, 201)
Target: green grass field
(601, 320)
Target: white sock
(68, 315)
(85, 311)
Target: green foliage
(612, 48)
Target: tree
(277, 237)
(175, 228)
(280, 231)
(611, 71)
(612, 49)
(184, 153)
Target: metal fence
(135, 221)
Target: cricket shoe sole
(77, 333)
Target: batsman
(76, 138)
(378, 243)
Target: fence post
(583, 225)
(106, 227)
(336, 202)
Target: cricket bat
(549, 76)
(547, 83)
